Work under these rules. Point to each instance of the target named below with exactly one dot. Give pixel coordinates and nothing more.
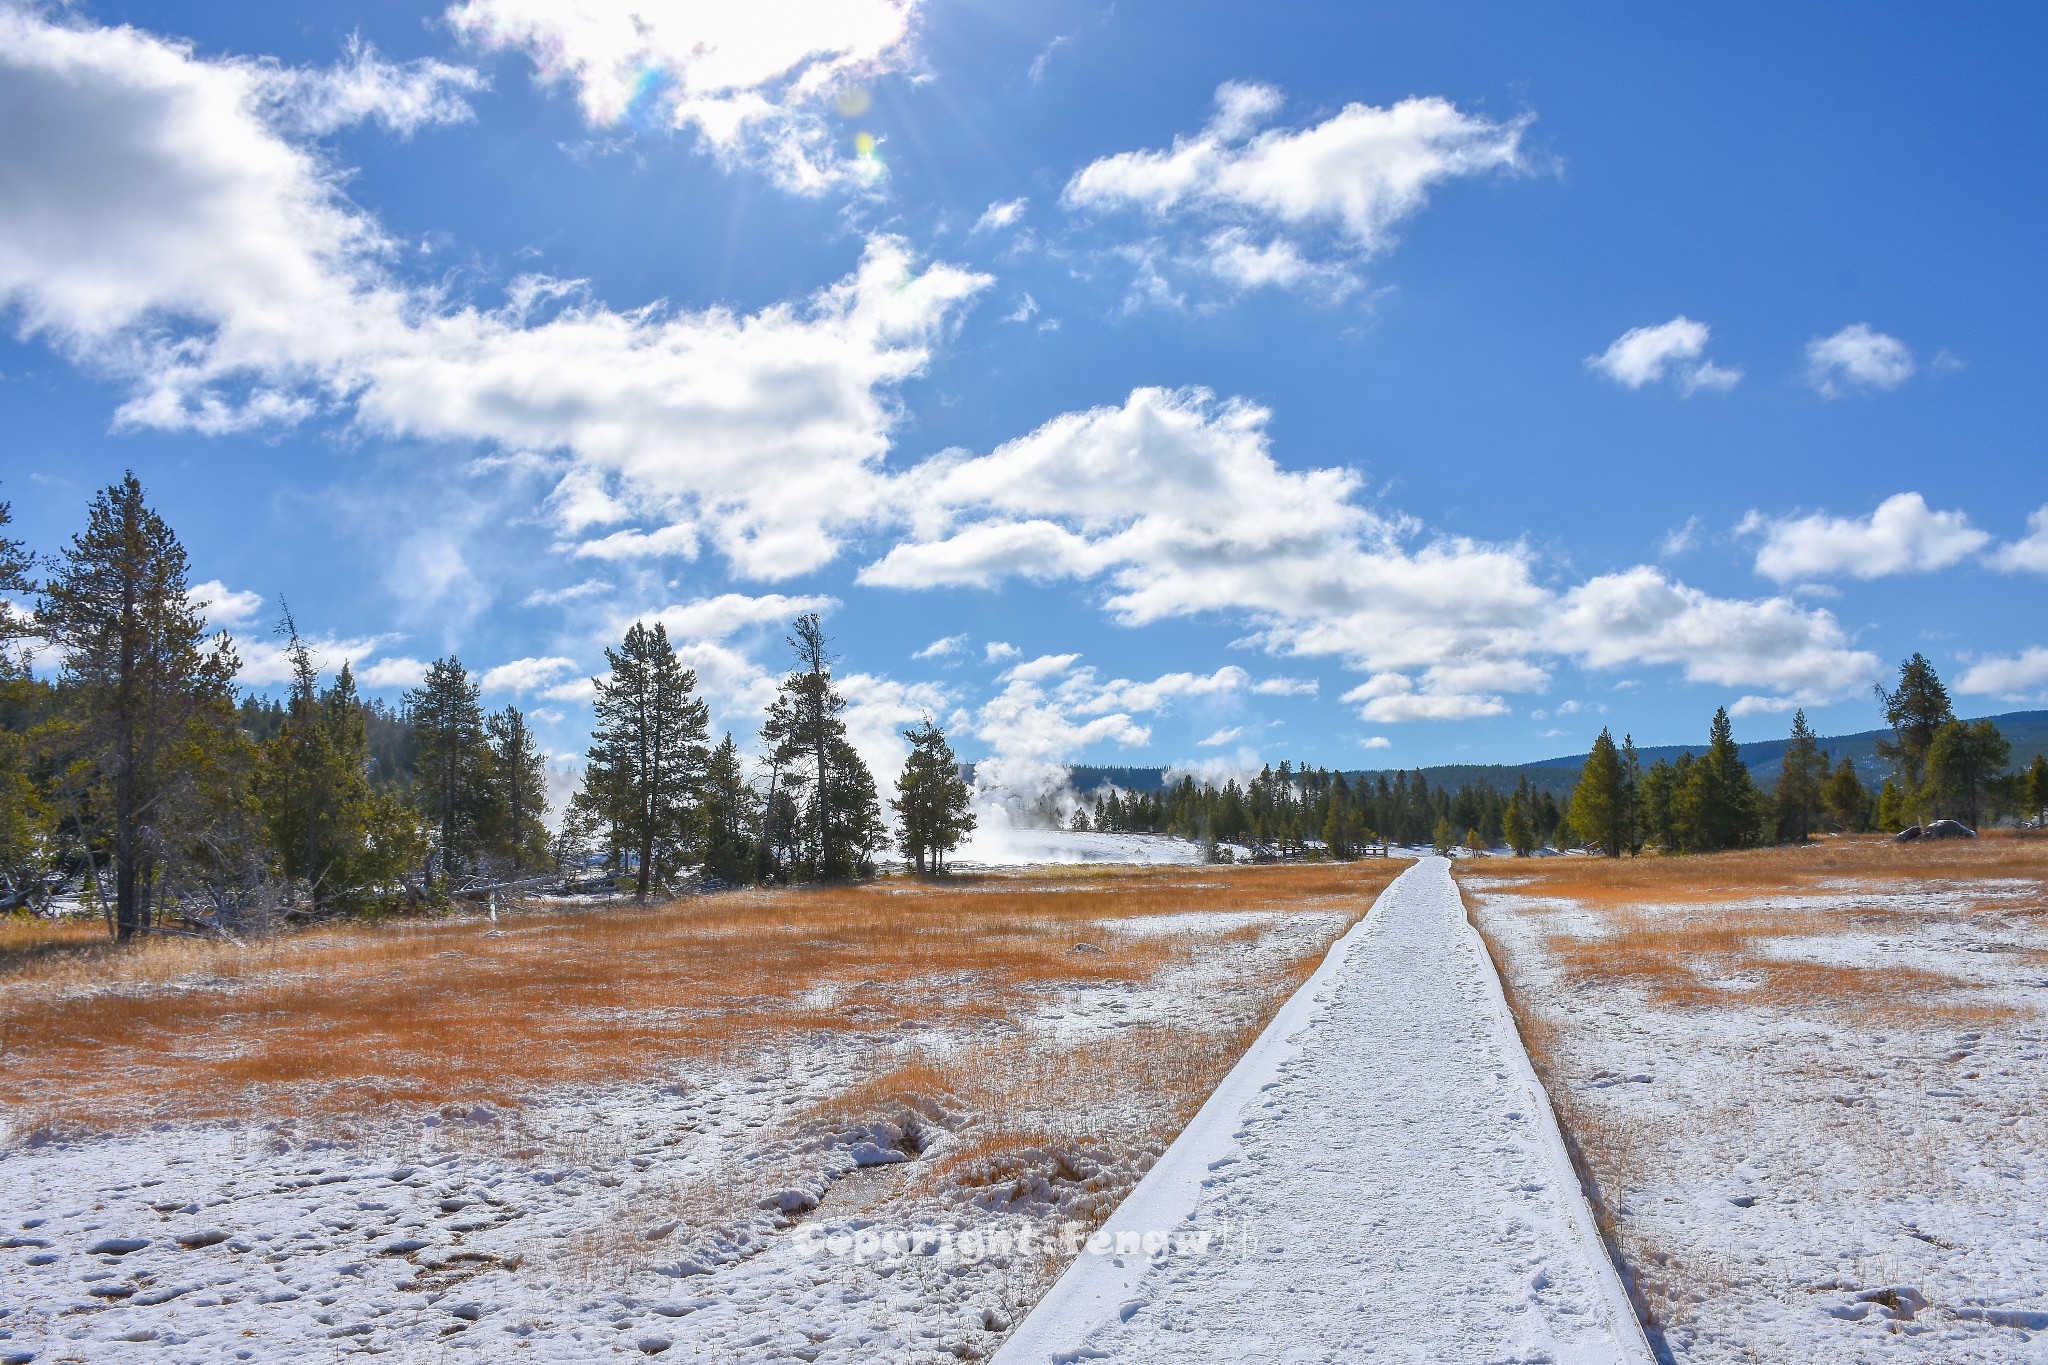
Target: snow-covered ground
(737, 1213)
(1804, 1180)
(1380, 1179)
(995, 843)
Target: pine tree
(1340, 831)
(453, 764)
(729, 817)
(518, 802)
(842, 815)
(2037, 788)
(1726, 809)
(1894, 809)
(1845, 799)
(1963, 761)
(1631, 797)
(1521, 830)
(649, 754)
(312, 781)
(1915, 709)
(932, 800)
(1657, 803)
(1600, 800)
(141, 684)
(1801, 778)
(16, 568)
(26, 845)
(1440, 837)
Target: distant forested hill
(2028, 731)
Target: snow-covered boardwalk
(1381, 1177)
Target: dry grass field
(457, 1010)
(1801, 1080)
(632, 1111)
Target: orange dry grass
(25, 938)
(1656, 933)
(453, 1010)
(1822, 867)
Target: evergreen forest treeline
(139, 771)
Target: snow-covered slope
(1381, 1179)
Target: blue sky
(1366, 384)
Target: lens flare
(853, 100)
(864, 146)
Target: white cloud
(1001, 214)
(399, 672)
(574, 690)
(1708, 375)
(265, 661)
(1158, 694)
(1643, 355)
(2028, 555)
(1639, 616)
(1033, 736)
(1025, 310)
(404, 97)
(1857, 358)
(1177, 501)
(161, 230)
(982, 554)
(581, 500)
(944, 648)
(762, 435)
(997, 651)
(714, 618)
(1043, 667)
(667, 542)
(2015, 677)
(1352, 178)
(1902, 536)
(753, 81)
(1243, 262)
(1287, 687)
(1752, 705)
(1392, 698)
(1681, 539)
(575, 592)
(1038, 63)
(222, 606)
(878, 710)
(1220, 737)
(1376, 742)
(521, 676)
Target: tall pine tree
(519, 799)
(729, 816)
(1915, 709)
(142, 685)
(25, 815)
(313, 784)
(1726, 808)
(1600, 801)
(932, 800)
(452, 764)
(1802, 780)
(648, 756)
(842, 815)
